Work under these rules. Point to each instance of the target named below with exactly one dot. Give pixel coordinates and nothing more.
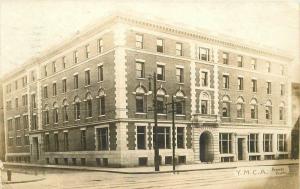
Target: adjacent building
(88, 101)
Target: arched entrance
(206, 147)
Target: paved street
(225, 178)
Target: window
(282, 91)
(18, 123)
(75, 81)
(180, 103)
(139, 41)
(160, 45)
(66, 141)
(161, 72)
(281, 143)
(102, 138)
(160, 102)
(179, 75)
(87, 51)
(204, 78)
(18, 141)
(253, 64)
(17, 102)
(203, 54)
(225, 143)
(46, 116)
(281, 111)
(100, 45)
(16, 84)
(53, 67)
(45, 92)
(180, 137)
(140, 72)
(75, 57)
(163, 137)
(281, 69)
(89, 108)
(64, 85)
(24, 81)
(141, 137)
(253, 143)
(24, 100)
(83, 139)
(140, 100)
(45, 71)
(240, 108)
(269, 87)
(34, 122)
(240, 83)
(226, 106)
(65, 111)
(225, 58)
(268, 143)
(47, 143)
(32, 75)
(226, 81)
(77, 108)
(87, 78)
(9, 125)
(179, 49)
(64, 62)
(254, 85)
(100, 73)
(54, 89)
(268, 110)
(204, 106)
(25, 121)
(253, 109)
(240, 61)
(101, 102)
(55, 113)
(56, 142)
(268, 67)
(26, 140)
(33, 102)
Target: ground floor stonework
(131, 143)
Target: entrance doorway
(206, 147)
(240, 148)
(35, 148)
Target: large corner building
(88, 101)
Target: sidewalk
(163, 169)
(20, 178)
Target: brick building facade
(87, 101)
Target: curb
(23, 181)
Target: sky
(28, 28)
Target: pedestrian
(1, 168)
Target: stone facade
(108, 119)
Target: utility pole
(173, 133)
(156, 148)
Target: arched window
(281, 111)
(268, 110)
(226, 106)
(77, 108)
(240, 108)
(89, 107)
(140, 100)
(46, 115)
(65, 110)
(253, 107)
(161, 93)
(55, 112)
(204, 103)
(101, 102)
(180, 103)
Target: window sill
(141, 78)
(87, 86)
(77, 119)
(180, 83)
(240, 118)
(99, 81)
(88, 117)
(66, 122)
(180, 115)
(101, 115)
(161, 114)
(55, 123)
(164, 81)
(140, 113)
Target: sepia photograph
(141, 94)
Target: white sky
(31, 26)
